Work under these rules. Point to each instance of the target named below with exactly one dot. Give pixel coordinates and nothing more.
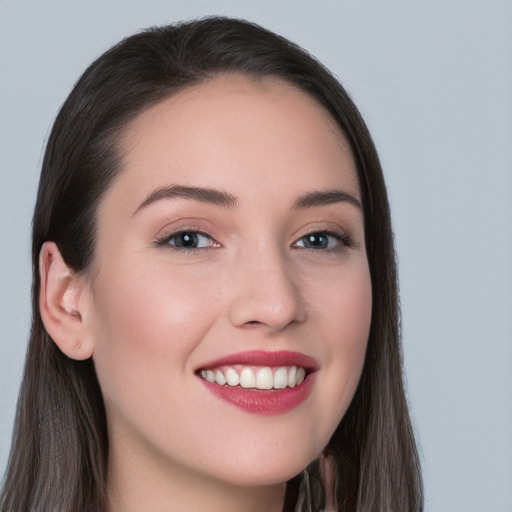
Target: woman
(215, 301)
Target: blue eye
(322, 240)
(188, 240)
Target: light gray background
(434, 82)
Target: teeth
(280, 378)
(264, 378)
(292, 381)
(247, 378)
(232, 377)
(256, 378)
(301, 375)
(219, 378)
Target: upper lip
(265, 358)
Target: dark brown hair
(59, 455)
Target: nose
(265, 293)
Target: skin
(152, 314)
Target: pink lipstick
(261, 382)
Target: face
(230, 248)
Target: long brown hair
(59, 455)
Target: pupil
(187, 240)
(316, 241)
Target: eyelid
(341, 236)
(343, 240)
(163, 241)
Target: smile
(261, 382)
(250, 377)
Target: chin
(252, 471)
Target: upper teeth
(263, 377)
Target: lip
(264, 402)
(265, 358)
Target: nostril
(252, 323)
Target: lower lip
(267, 402)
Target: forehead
(237, 132)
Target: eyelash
(165, 241)
(340, 238)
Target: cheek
(147, 323)
(342, 308)
(344, 319)
(352, 320)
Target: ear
(62, 302)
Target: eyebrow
(324, 198)
(226, 200)
(202, 194)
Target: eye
(188, 240)
(323, 240)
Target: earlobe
(61, 303)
